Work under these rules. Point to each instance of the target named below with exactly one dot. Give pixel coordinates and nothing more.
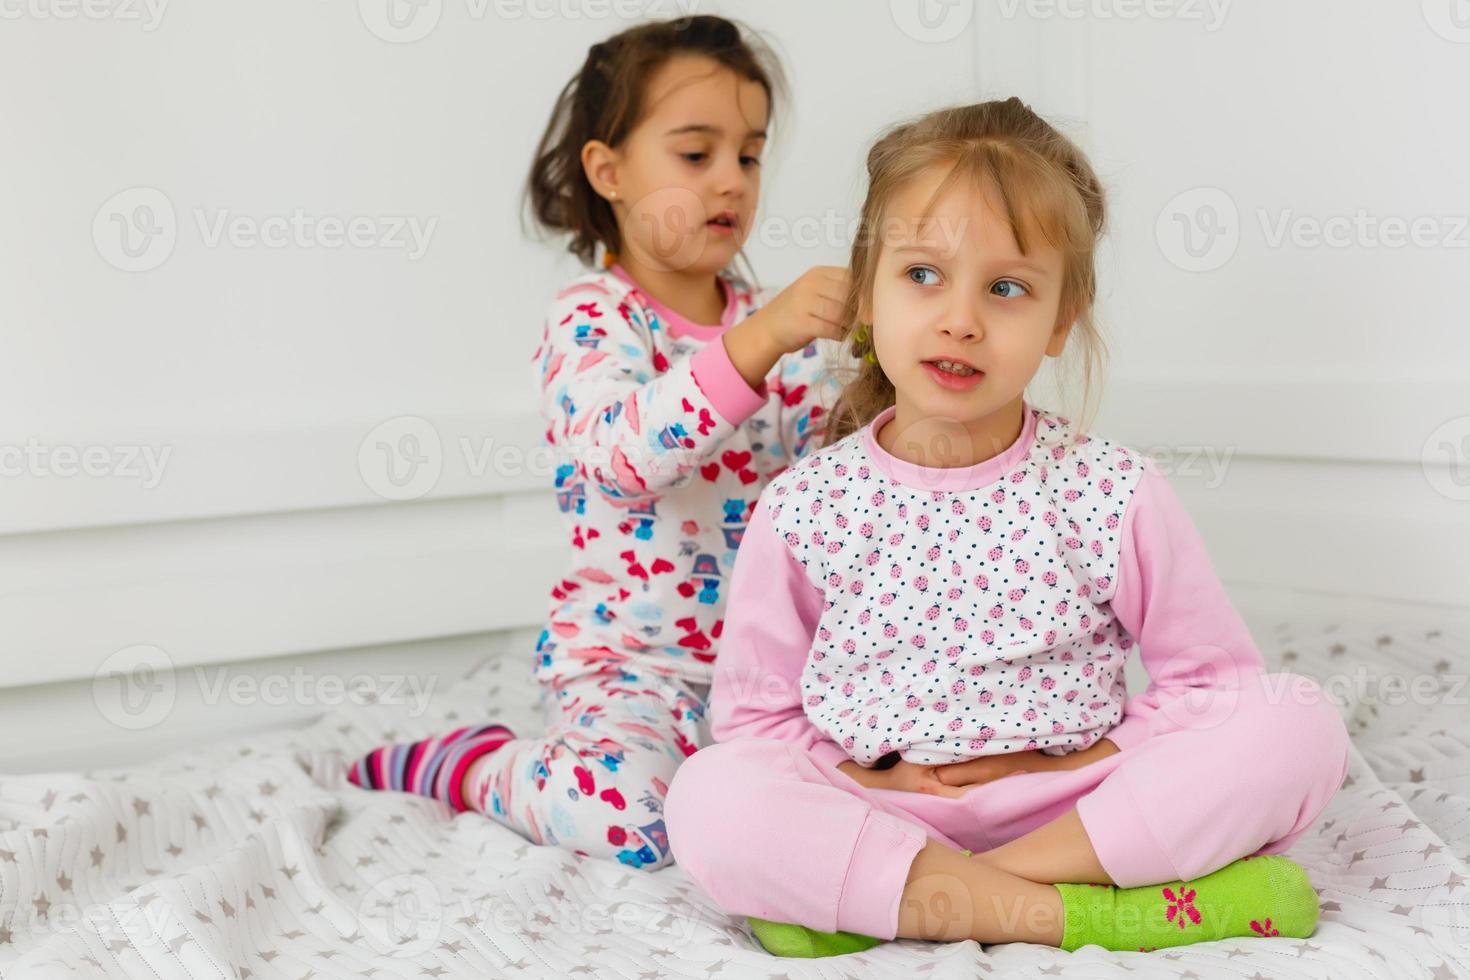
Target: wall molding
(272, 544)
(217, 475)
(261, 586)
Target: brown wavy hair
(604, 101)
(1046, 186)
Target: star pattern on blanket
(239, 860)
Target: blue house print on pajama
(589, 336)
(570, 497)
(734, 524)
(705, 577)
(640, 517)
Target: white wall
(275, 378)
(240, 398)
(1316, 387)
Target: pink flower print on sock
(1181, 905)
(1264, 928)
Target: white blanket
(258, 860)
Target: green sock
(1266, 895)
(790, 939)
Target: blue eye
(920, 270)
(1016, 289)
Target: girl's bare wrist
(752, 350)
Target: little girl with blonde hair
(921, 722)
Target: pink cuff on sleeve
(828, 754)
(724, 385)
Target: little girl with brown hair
(672, 392)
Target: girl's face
(687, 177)
(957, 287)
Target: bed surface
(258, 860)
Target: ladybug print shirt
(879, 606)
(662, 449)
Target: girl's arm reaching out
(639, 424)
(771, 615)
(1170, 600)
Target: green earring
(860, 336)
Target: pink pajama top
(662, 450)
(881, 606)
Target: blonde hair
(1045, 185)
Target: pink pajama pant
(1220, 775)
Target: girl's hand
(909, 777)
(810, 307)
(991, 767)
(986, 768)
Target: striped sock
(432, 767)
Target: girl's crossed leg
(1222, 775)
(594, 782)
